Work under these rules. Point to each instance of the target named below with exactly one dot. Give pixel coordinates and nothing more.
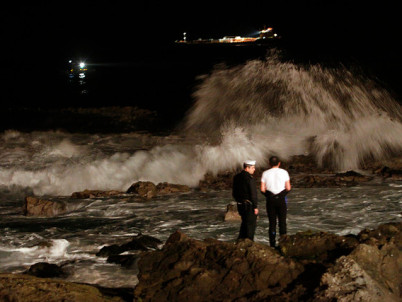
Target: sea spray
(341, 118)
(249, 111)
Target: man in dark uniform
(245, 193)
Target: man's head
(274, 161)
(249, 166)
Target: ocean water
(237, 111)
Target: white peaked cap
(250, 162)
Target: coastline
(309, 266)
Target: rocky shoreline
(307, 266)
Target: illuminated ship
(77, 69)
(265, 35)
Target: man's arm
(253, 193)
(263, 187)
(288, 187)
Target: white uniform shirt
(275, 179)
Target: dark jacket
(244, 188)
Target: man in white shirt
(275, 184)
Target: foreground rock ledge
(23, 288)
(309, 267)
(210, 270)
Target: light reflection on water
(198, 215)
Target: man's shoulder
(241, 174)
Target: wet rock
(22, 288)
(145, 189)
(126, 261)
(113, 249)
(382, 235)
(222, 181)
(371, 272)
(303, 164)
(95, 194)
(148, 190)
(34, 206)
(386, 172)
(138, 243)
(177, 237)
(167, 188)
(46, 270)
(367, 274)
(148, 241)
(210, 270)
(317, 246)
(352, 177)
(317, 266)
(347, 179)
(231, 213)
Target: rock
(138, 243)
(145, 189)
(148, 190)
(22, 288)
(210, 270)
(113, 249)
(387, 172)
(303, 164)
(324, 181)
(46, 270)
(34, 206)
(316, 266)
(317, 246)
(367, 274)
(147, 241)
(126, 261)
(231, 213)
(177, 237)
(222, 181)
(352, 177)
(371, 272)
(95, 194)
(381, 235)
(167, 188)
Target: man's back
(275, 179)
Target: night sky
(51, 31)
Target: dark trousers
(276, 209)
(248, 221)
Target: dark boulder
(46, 270)
(126, 261)
(138, 243)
